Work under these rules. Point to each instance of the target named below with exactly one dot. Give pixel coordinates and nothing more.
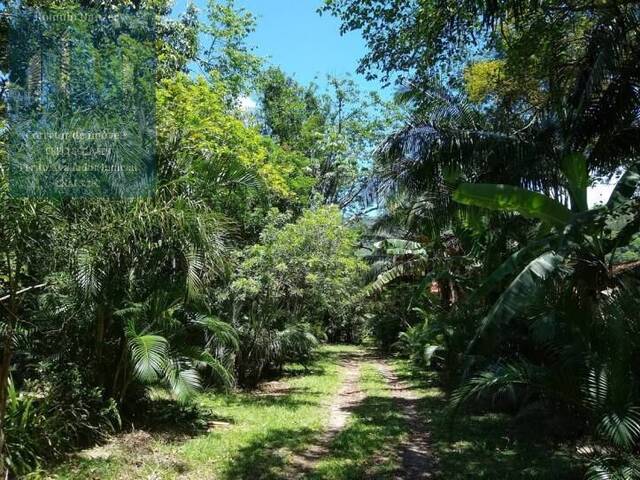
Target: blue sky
(292, 35)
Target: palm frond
(622, 429)
(149, 354)
(220, 371)
(195, 267)
(222, 332)
(87, 274)
(500, 380)
(183, 382)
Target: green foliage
(227, 57)
(538, 60)
(297, 345)
(488, 444)
(516, 107)
(291, 112)
(337, 129)
(613, 468)
(530, 280)
(626, 186)
(307, 269)
(148, 353)
(394, 259)
(522, 289)
(498, 381)
(631, 253)
(169, 358)
(24, 422)
(297, 285)
(417, 344)
(482, 79)
(620, 426)
(159, 293)
(201, 139)
(57, 413)
(249, 427)
(249, 253)
(376, 425)
(575, 169)
(505, 197)
(227, 163)
(179, 43)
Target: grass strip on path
(368, 446)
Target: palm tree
(167, 343)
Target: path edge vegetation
(450, 224)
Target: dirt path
(416, 456)
(418, 461)
(340, 407)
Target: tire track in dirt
(418, 461)
(348, 397)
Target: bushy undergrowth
(583, 393)
(53, 415)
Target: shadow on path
(267, 457)
(488, 446)
(340, 407)
(418, 461)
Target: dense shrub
(54, 414)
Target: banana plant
(427, 261)
(394, 258)
(573, 238)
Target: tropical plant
(25, 430)
(420, 342)
(579, 243)
(572, 256)
(158, 351)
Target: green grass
(263, 432)
(367, 447)
(488, 446)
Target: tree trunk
(103, 320)
(445, 294)
(7, 352)
(120, 377)
(5, 367)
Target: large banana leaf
(576, 171)
(414, 267)
(626, 186)
(515, 199)
(397, 246)
(509, 266)
(522, 290)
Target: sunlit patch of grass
(368, 446)
(82, 468)
(486, 446)
(255, 441)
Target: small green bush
(53, 415)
